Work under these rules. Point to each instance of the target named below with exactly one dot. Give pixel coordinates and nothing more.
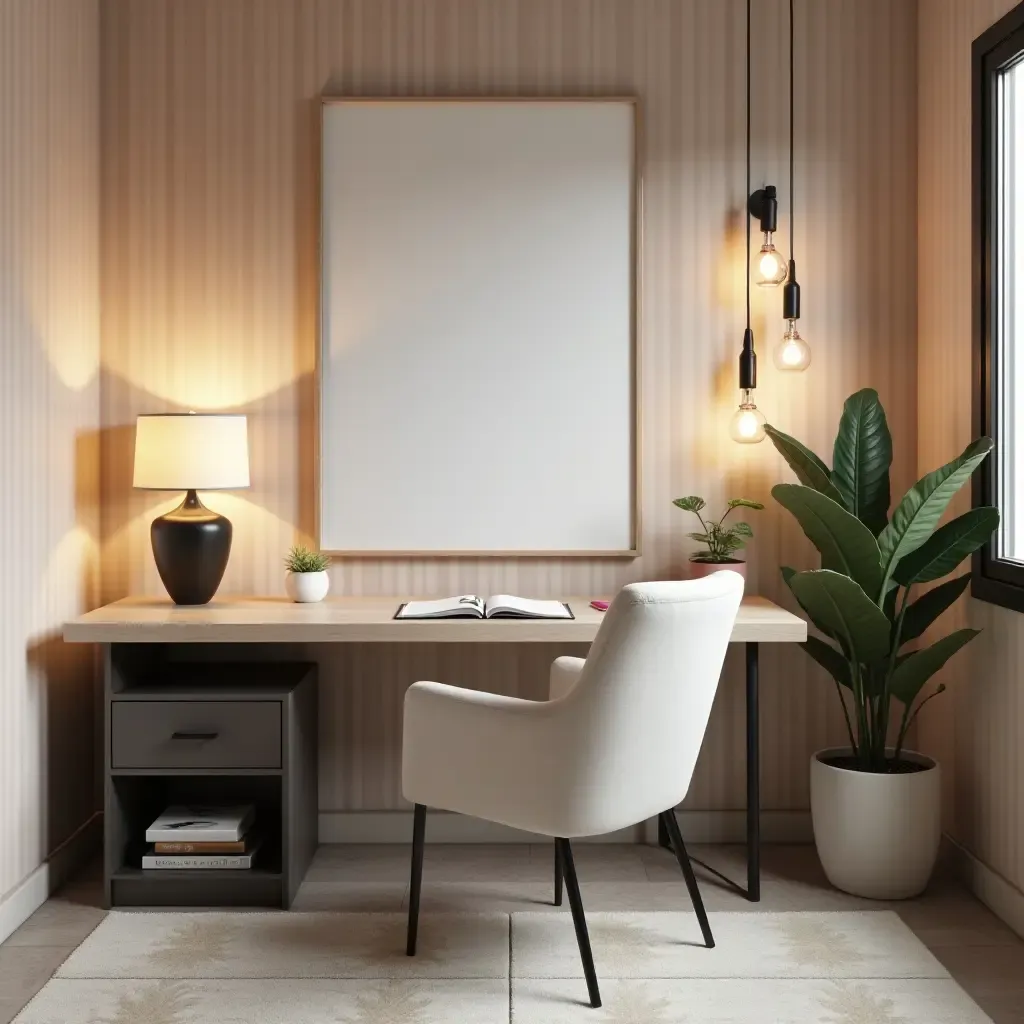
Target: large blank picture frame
(477, 365)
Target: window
(998, 81)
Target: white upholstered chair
(615, 745)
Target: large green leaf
(912, 674)
(845, 543)
(947, 547)
(861, 459)
(831, 660)
(929, 606)
(787, 575)
(922, 506)
(845, 610)
(809, 469)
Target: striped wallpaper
(978, 729)
(49, 424)
(210, 291)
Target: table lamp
(191, 452)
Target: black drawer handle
(194, 735)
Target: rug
(342, 968)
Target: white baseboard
(27, 897)
(23, 901)
(1001, 896)
(444, 827)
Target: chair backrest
(644, 697)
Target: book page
(465, 606)
(526, 608)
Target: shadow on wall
(55, 498)
(66, 681)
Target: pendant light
(792, 354)
(747, 424)
(771, 266)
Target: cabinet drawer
(195, 734)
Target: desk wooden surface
(367, 620)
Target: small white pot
(877, 835)
(307, 587)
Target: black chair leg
(558, 875)
(419, 830)
(676, 838)
(578, 920)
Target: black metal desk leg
(663, 837)
(753, 781)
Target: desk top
(367, 620)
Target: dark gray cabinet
(183, 729)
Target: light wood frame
(636, 225)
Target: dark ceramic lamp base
(191, 545)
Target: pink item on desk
(601, 606)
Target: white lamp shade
(190, 451)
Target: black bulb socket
(764, 205)
(748, 362)
(791, 295)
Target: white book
(201, 824)
(499, 606)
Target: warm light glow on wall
(74, 356)
(211, 370)
(70, 580)
(69, 340)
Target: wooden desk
(368, 620)
(371, 620)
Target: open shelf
(141, 796)
(253, 887)
(157, 876)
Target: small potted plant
(875, 805)
(307, 580)
(720, 542)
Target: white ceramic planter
(697, 570)
(877, 835)
(307, 587)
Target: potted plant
(875, 806)
(720, 542)
(307, 580)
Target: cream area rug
(298, 968)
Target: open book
(469, 606)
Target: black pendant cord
(791, 289)
(746, 263)
(792, 204)
(748, 360)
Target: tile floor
(981, 953)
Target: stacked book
(202, 837)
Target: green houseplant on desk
(720, 543)
(875, 805)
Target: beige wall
(978, 729)
(49, 422)
(210, 291)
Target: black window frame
(993, 579)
